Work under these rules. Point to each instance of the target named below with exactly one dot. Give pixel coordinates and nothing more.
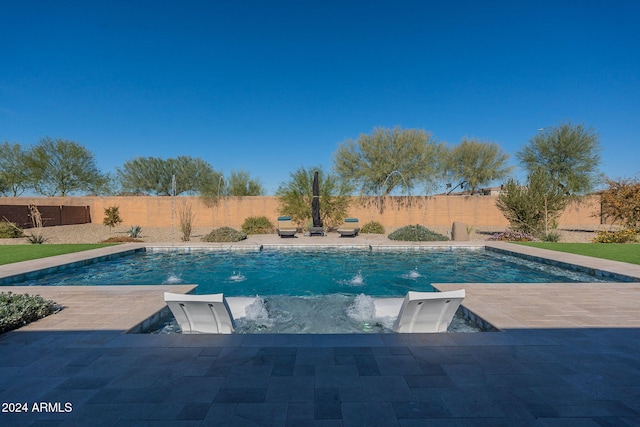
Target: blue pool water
(313, 291)
(296, 272)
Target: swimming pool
(311, 272)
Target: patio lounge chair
(350, 228)
(428, 311)
(286, 228)
(201, 314)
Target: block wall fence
(156, 211)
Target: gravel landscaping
(96, 233)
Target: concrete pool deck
(567, 354)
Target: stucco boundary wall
(163, 211)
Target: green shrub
(416, 233)
(17, 310)
(373, 228)
(621, 236)
(224, 234)
(512, 236)
(257, 225)
(9, 230)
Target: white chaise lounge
(201, 314)
(428, 311)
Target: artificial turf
(625, 252)
(17, 253)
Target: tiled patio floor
(567, 355)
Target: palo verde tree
(387, 159)
(60, 167)
(477, 163)
(570, 155)
(155, 175)
(239, 183)
(14, 172)
(296, 195)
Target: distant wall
(51, 215)
(156, 211)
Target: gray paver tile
(365, 414)
(194, 389)
(263, 414)
(385, 388)
(561, 361)
(194, 411)
(337, 376)
(240, 394)
(327, 403)
(290, 389)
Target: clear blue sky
(269, 86)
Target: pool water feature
(321, 314)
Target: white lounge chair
(428, 311)
(201, 314)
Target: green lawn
(16, 253)
(624, 252)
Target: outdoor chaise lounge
(428, 311)
(201, 314)
(350, 228)
(286, 228)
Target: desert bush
(9, 230)
(373, 227)
(36, 234)
(224, 234)
(621, 203)
(112, 217)
(627, 235)
(257, 225)
(534, 207)
(187, 215)
(416, 233)
(512, 236)
(551, 236)
(135, 231)
(122, 239)
(17, 310)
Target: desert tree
(239, 183)
(155, 175)
(389, 159)
(569, 153)
(14, 173)
(295, 196)
(60, 167)
(477, 163)
(620, 202)
(534, 207)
